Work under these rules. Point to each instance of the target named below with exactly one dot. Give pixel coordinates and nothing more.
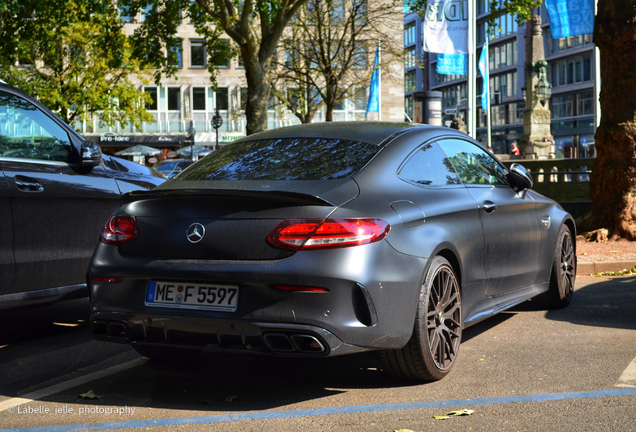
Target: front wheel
(431, 352)
(563, 274)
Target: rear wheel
(167, 354)
(431, 352)
(563, 275)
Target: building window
(571, 71)
(562, 106)
(152, 91)
(503, 55)
(178, 51)
(359, 99)
(221, 56)
(222, 98)
(410, 58)
(174, 98)
(198, 98)
(197, 53)
(410, 81)
(572, 42)
(409, 34)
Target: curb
(592, 268)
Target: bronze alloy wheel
(563, 275)
(444, 318)
(431, 352)
(567, 267)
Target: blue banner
(485, 73)
(373, 105)
(570, 17)
(452, 64)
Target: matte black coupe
(328, 239)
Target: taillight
(119, 230)
(304, 234)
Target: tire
(431, 352)
(563, 274)
(167, 354)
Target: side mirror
(91, 155)
(519, 177)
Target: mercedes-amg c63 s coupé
(328, 239)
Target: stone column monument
(537, 141)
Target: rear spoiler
(279, 196)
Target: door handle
(489, 206)
(26, 184)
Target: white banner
(446, 27)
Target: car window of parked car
(27, 132)
(429, 166)
(283, 159)
(473, 164)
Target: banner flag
(452, 64)
(373, 105)
(446, 27)
(485, 73)
(570, 18)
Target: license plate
(192, 296)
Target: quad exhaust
(289, 343)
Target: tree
(328, 52)
(255, 26)
(613, 179)
(74, 57)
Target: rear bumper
(371, 302)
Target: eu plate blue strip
(324, 411)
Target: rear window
(283, 159)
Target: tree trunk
(613, 180)
(258, 87)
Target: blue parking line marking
(225, 418)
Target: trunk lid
(232, 220)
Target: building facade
(189, 99)
(570, 71)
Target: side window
(27, 132)
(474, 165)
(429, 166)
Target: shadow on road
(610, 302)
(25, 324)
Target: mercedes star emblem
(195, 232)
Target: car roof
(369, 132)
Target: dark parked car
(172, 167)
(327, 239)
(56, 191)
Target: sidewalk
(594, 258)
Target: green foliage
(73, 56)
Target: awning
(126, 140)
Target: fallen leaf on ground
(463, 412)
(230, 398)
(89, 395)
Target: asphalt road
(526, 369)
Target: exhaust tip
(278, 342)
(307, 343)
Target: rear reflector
(119, 230)
(304, 234)
(300, 288)
(107, 279)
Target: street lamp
(217, 121)
(544, 90)
(191, 133)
